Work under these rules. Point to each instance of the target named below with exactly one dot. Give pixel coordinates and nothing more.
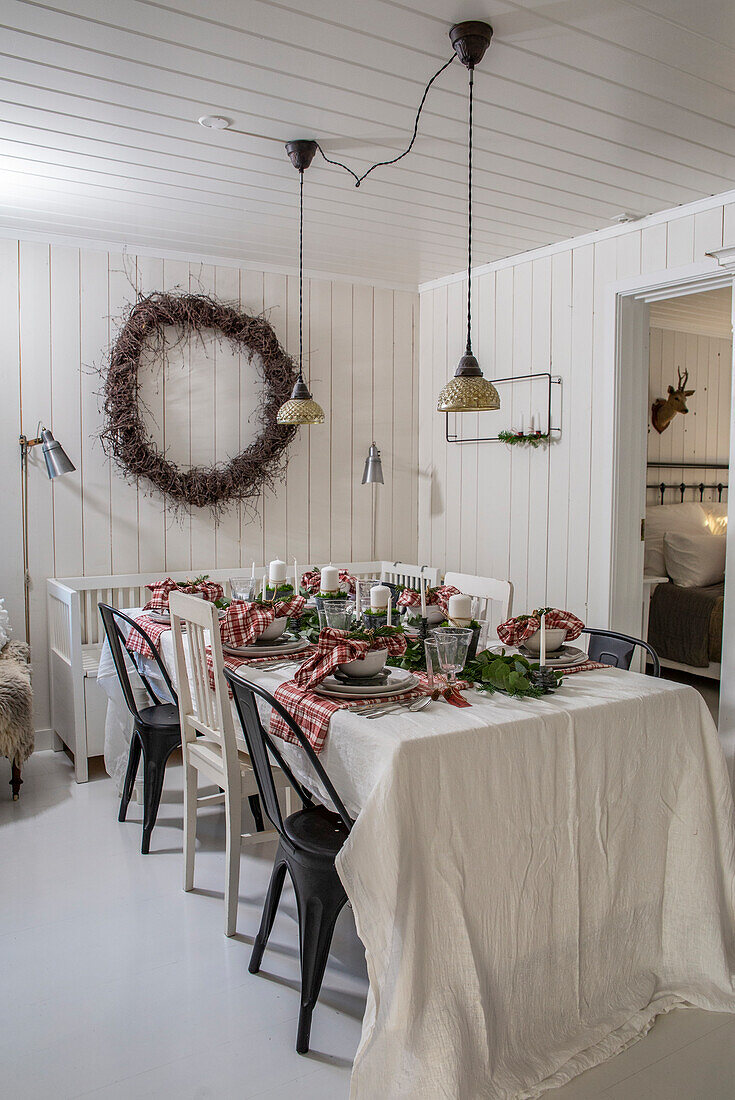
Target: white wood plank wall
(533, 516)
(61, 306)
(703, 435)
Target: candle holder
(543, 677)
(423, 628)
(374, 622)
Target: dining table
(534, 880)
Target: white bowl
(274, 631)
(370, 665)
(434, 614)
(555, 638)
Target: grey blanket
(685, 624)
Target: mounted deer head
(664, 411)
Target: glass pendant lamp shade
(468, 391)
(301, 408)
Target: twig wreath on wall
(125, 435)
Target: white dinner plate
(567, 657)
(335, 689)
(293, 646)
(164, 617)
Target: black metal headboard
(681, 487)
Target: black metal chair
(611, 648)
(156, 730)
(310, 841)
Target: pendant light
(301, 408)
(373, 472)
(468, 391)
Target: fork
(414, 706)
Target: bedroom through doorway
(687, 478)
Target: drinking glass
(337, 614)
(452, 643)
(433, 667)
(243, 588)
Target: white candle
(277, 571)
(422, 586)
(389, 620)
(520, 429)
(330, 579)
(379, 597)
(459, 611)
(532, 423)
(263, 588)
(252, 571)
(358, 605)
(542, 651)
(295, 578)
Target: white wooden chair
(399, 572)
(493, 601)
(214, 754)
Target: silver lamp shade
(373, 472)
(57, 460)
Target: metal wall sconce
(57, 464)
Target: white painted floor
(117, 984)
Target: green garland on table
(488, 672)
(491, 672)
(535, 439)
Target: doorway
(687, 478)
(647, 360)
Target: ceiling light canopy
(468, 390)
(214, 122)
(301, 408)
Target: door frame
(622, 443)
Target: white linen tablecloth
(533, 881)
(534, 889)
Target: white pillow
(694, 560)
(661, 518)
(716, 517)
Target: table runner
(532, 890)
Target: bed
(685, 615)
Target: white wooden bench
(78, 704)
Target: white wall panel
(540, 516)
(62, 306)
(703, 434)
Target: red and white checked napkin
(314, 712)
(160, 589)
(588, 666)
(136, 644)
(409, 597)
(243, 622)
(311, 581)
(515, 631)
(335, 647)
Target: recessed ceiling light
(214, 122)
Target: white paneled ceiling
(584, 109)
(708, 313)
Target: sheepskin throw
(16, 703)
